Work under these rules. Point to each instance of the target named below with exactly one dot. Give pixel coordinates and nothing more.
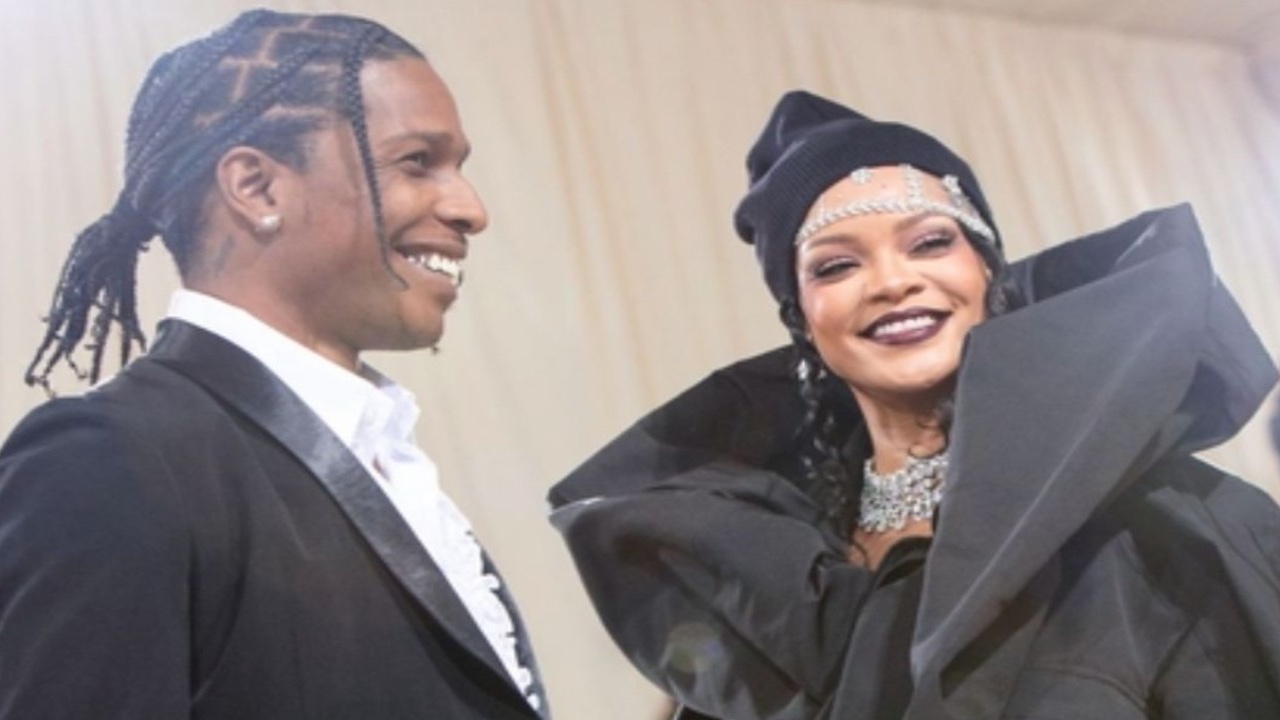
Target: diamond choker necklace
(912, 493)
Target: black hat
(808, 144)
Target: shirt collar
(358, 408)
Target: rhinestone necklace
(912, 493)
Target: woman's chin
(923, 392)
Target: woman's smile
(906, 327)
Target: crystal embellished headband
(915, 203)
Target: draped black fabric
(1084, 564)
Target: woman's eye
(831, 268)
(933, 242)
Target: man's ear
(247, 180)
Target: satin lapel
(239, 379)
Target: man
(239, 525)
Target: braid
(266, 80)
(99, 273)
(353, 105)
(825, 457)
(150, 127)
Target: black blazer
(190, 540)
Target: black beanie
(808, 144)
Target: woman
(980, 503)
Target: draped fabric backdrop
(1264, 51)
(609, 141)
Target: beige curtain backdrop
(1263, 49)
(610, 137)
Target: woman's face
(332, 278)
(889, 298)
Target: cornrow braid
(266, 80)
(148, 128)
(353, 97)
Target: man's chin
(411, 338)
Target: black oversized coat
(1084, 564)
(188, 540)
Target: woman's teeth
(910, 324)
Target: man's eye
(419, 160)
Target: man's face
(342, 297)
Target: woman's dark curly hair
(265, 80)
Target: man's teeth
(906, 325)
(436, 262)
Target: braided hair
(833, 434)
(265, 80)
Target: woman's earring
(803, 371)
(269, 224)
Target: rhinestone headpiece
(915, 203)
(912, 493)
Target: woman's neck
(901, 431)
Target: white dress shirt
(375, 418)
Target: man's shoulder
(145, 399)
